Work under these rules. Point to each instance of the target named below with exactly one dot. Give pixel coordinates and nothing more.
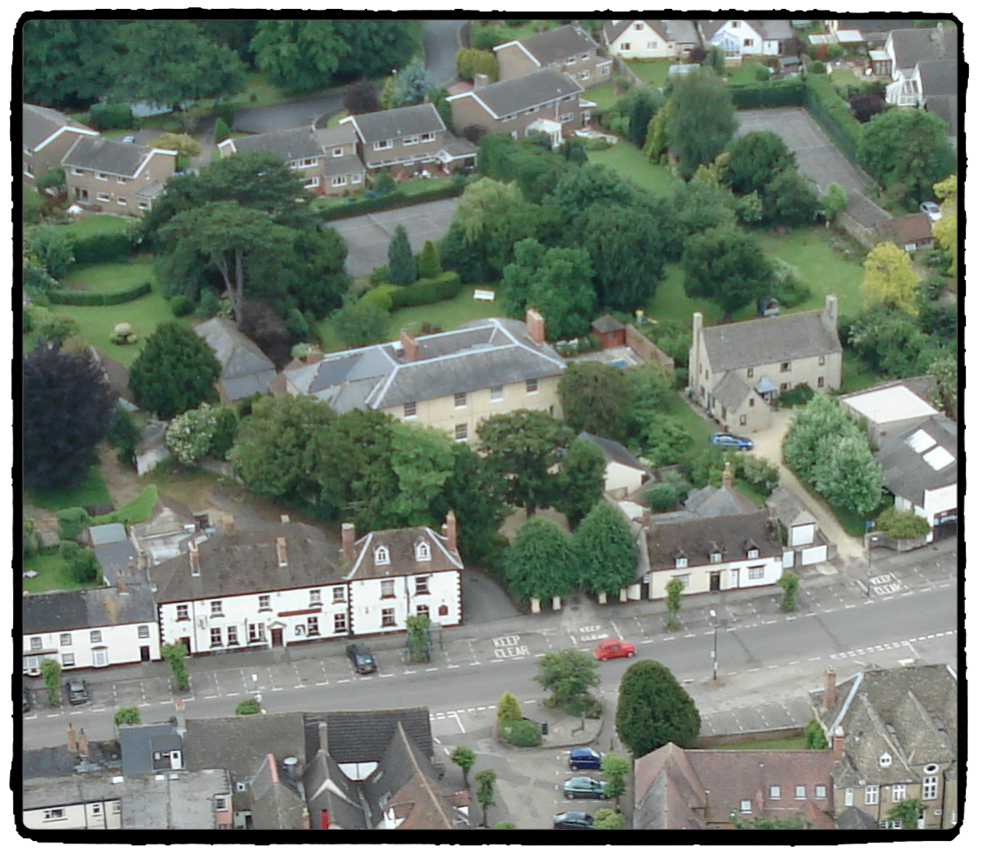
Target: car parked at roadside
(572, 819)
(77, 693)
(730, 440)
(584, 787)
(582, 757)
(612, 647)
(362, 658)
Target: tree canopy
(174, 372)
(605, 551)
(653, 709)
(569, 674)
(701, 120)
(752, 160)
(299, 55)
(538, 563)
(890, 278)
(592, 395)
(67, 410)
(579, 484)
(726, 266)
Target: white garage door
(818, 554)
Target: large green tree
(423, 461)
(653, 709)
(570, 675)
(889, 278)
(697, 206)
(605, 551)
(539, 563)
(727, 267)
(170, 62)
(847, 473)
(753, 159)
(299, 55)
(579, 484)
(907, 151)
(375, 46)
(822, 417)
(67, 410)
(492, 217)
(701, 121)
(65, 61)
(174, 372)
(520, 448)
(361, 323)
(791, 199)
(401, 264)
(593, 395)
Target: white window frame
(65, 640)
(410, 140)
(931, 786)
(566, 118)
(340, 623)
(95, 636)
(315, 598)
(898, 792)
(422, 581)
(715, 557)
(849, 796)
(121, 181)
(382, 145)
(460, 432)
(387, 589)
(496, 394)
(122, 202)
(774, 791)
(570, 60)
(459, 400)
(381, 556)
(388, 618)
(77, 172)
(232, 635)
(531, 386)
(746, 806)
(409, 410)
(142, 204)
(337, 152)
(753, 552)
(99, 175)
(143, 632)
(257, 632)
(102, 197)
(754, 573)
(54, 814)
(311, 183)
(265, 602)
(584, 75)
(313, 626)
(216, 609)
(338, 595)
(338, 181)
(423, 553)
(427, 137)
(215, 637)
(68, 660)
(800, 791)
(183, 612)
(872, 794)
(355, 178)
(885, 759)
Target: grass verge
(654, 71)
(783, 743)
(630, 162)
(91, 491)
(53, 574)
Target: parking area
(367, 236)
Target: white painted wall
(802, 535)
(619, 476)
(644, 43)
(699, 580)
(90, 815)
(367, 604)
(121, 643)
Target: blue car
(730, 440)
(582, 757)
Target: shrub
(103, 247)
(124, 435)
(598, 143)
(83, 568)
(247, 707)
(226, 111)
(796, 397)
(368, 203)
(181, 305)
(788, 288)
(111, 116)
(523, 732)
(221, 130)
(814, 736)
(817, 67)
(384, 183)
(71, 522)
(74, 297)
(126, 716)
(901, 525)
(664, 497)
(297, 324)
(381, 296)
(68, 550)
(441, 288)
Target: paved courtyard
(367, 236)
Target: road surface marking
(813, 658)
(231, 694)
(432, 669)
(619, 635)
(475, 663)
(453, 666)
(100, 710)
(643, 642)
(211, 697)
(459, 722)
(299, 686)
(410, 672)
(495, 660)
(76, 712)
(274, 689)
(320, 684)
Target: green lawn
(602, 95)
(699, 429)
(110, 276)
(52, 574)
(92, 224)
(856, 374)
(630, 162)
(91, 491)
(783, 743)
(445, 314)
(670, 303)
(655, 71)
(745, 73)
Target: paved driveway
(367, 236)
(768, 444)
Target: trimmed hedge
(833, 114)
(426, 291)
(111, 116)
(75, 298)
(381, 296)
(523, 732)
(102, 247)
(392, 201)
(769, 94)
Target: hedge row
(102, 247)
(427, 291)
(111, 116)
(769, 94)
(75, 298)
(391, 201)
(833, 114)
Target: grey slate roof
(333, 166)
(115, 558)
(40, 123)
(329, 789)
(105, 534)
(240, 743)
(398, 123)
(103, 155)
(945, 105)
(938, 76)
(401, 543)
(698, 538)
(137, 743)
(613, 452)
(911, 46)
(245, 369)
(240, 562)
(457, 147)
(276, 801)
(296, 143)
(712, 501)
(607, 324)
(363, 736)
(81, 609)
(767, 29)
(769, 340)
(534, 89)
(853, 817)
(905, 472)
(558, 44)
(790, 511)
(731, 391)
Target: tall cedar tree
(605, 551)
(401, 263)
(653, 709)
(538, 563)
(429, 264)
(68, 408)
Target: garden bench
(483, 294)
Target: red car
(613, 647)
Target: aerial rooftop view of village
(490, 424)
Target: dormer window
(885, 759)
(381, 556)
(715, 557)
(752, 551)
(423, 552)
(680, 561)
(337, 151)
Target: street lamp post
(715, 646)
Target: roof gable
(390, 124)
(110, 157)
(523, 92)
(41, 124)
(401, 546)
(558, 44)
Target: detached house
(644, 39)
(545, 101)
(450, 380)
(48, 135)
(568, 49)
(746, 38)
(395, 574)
(325, 159)
(894, 733)
(736, 371)
(406, 140)
(245, 369)
(111, 176)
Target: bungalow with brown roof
(111, 176)
(568, 49)
(677, 788)
(911, 232)
(545, 101)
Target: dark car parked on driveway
(77, 694)
(362, 658)
(730, 440)
(582, 757)
(584, 787)
(573, 819)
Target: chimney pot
(347, 542)
(314, 355)
(536, 325)
(195, 558)
(449, 530)
(480, 81)
(829, 688)
(281, 551)
(831, 308)
(410, 348)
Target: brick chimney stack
(536, 325)
(281, 551)
(195, 558)
(449, 530)
(72, 740)
(347, 542)
(480, 81)
(829, 687)
(831, 308)
(121, 583)
(83, 744)
(228, 523)
(410, 348)
(314, 355)
(838, 742)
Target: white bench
(483, 294)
